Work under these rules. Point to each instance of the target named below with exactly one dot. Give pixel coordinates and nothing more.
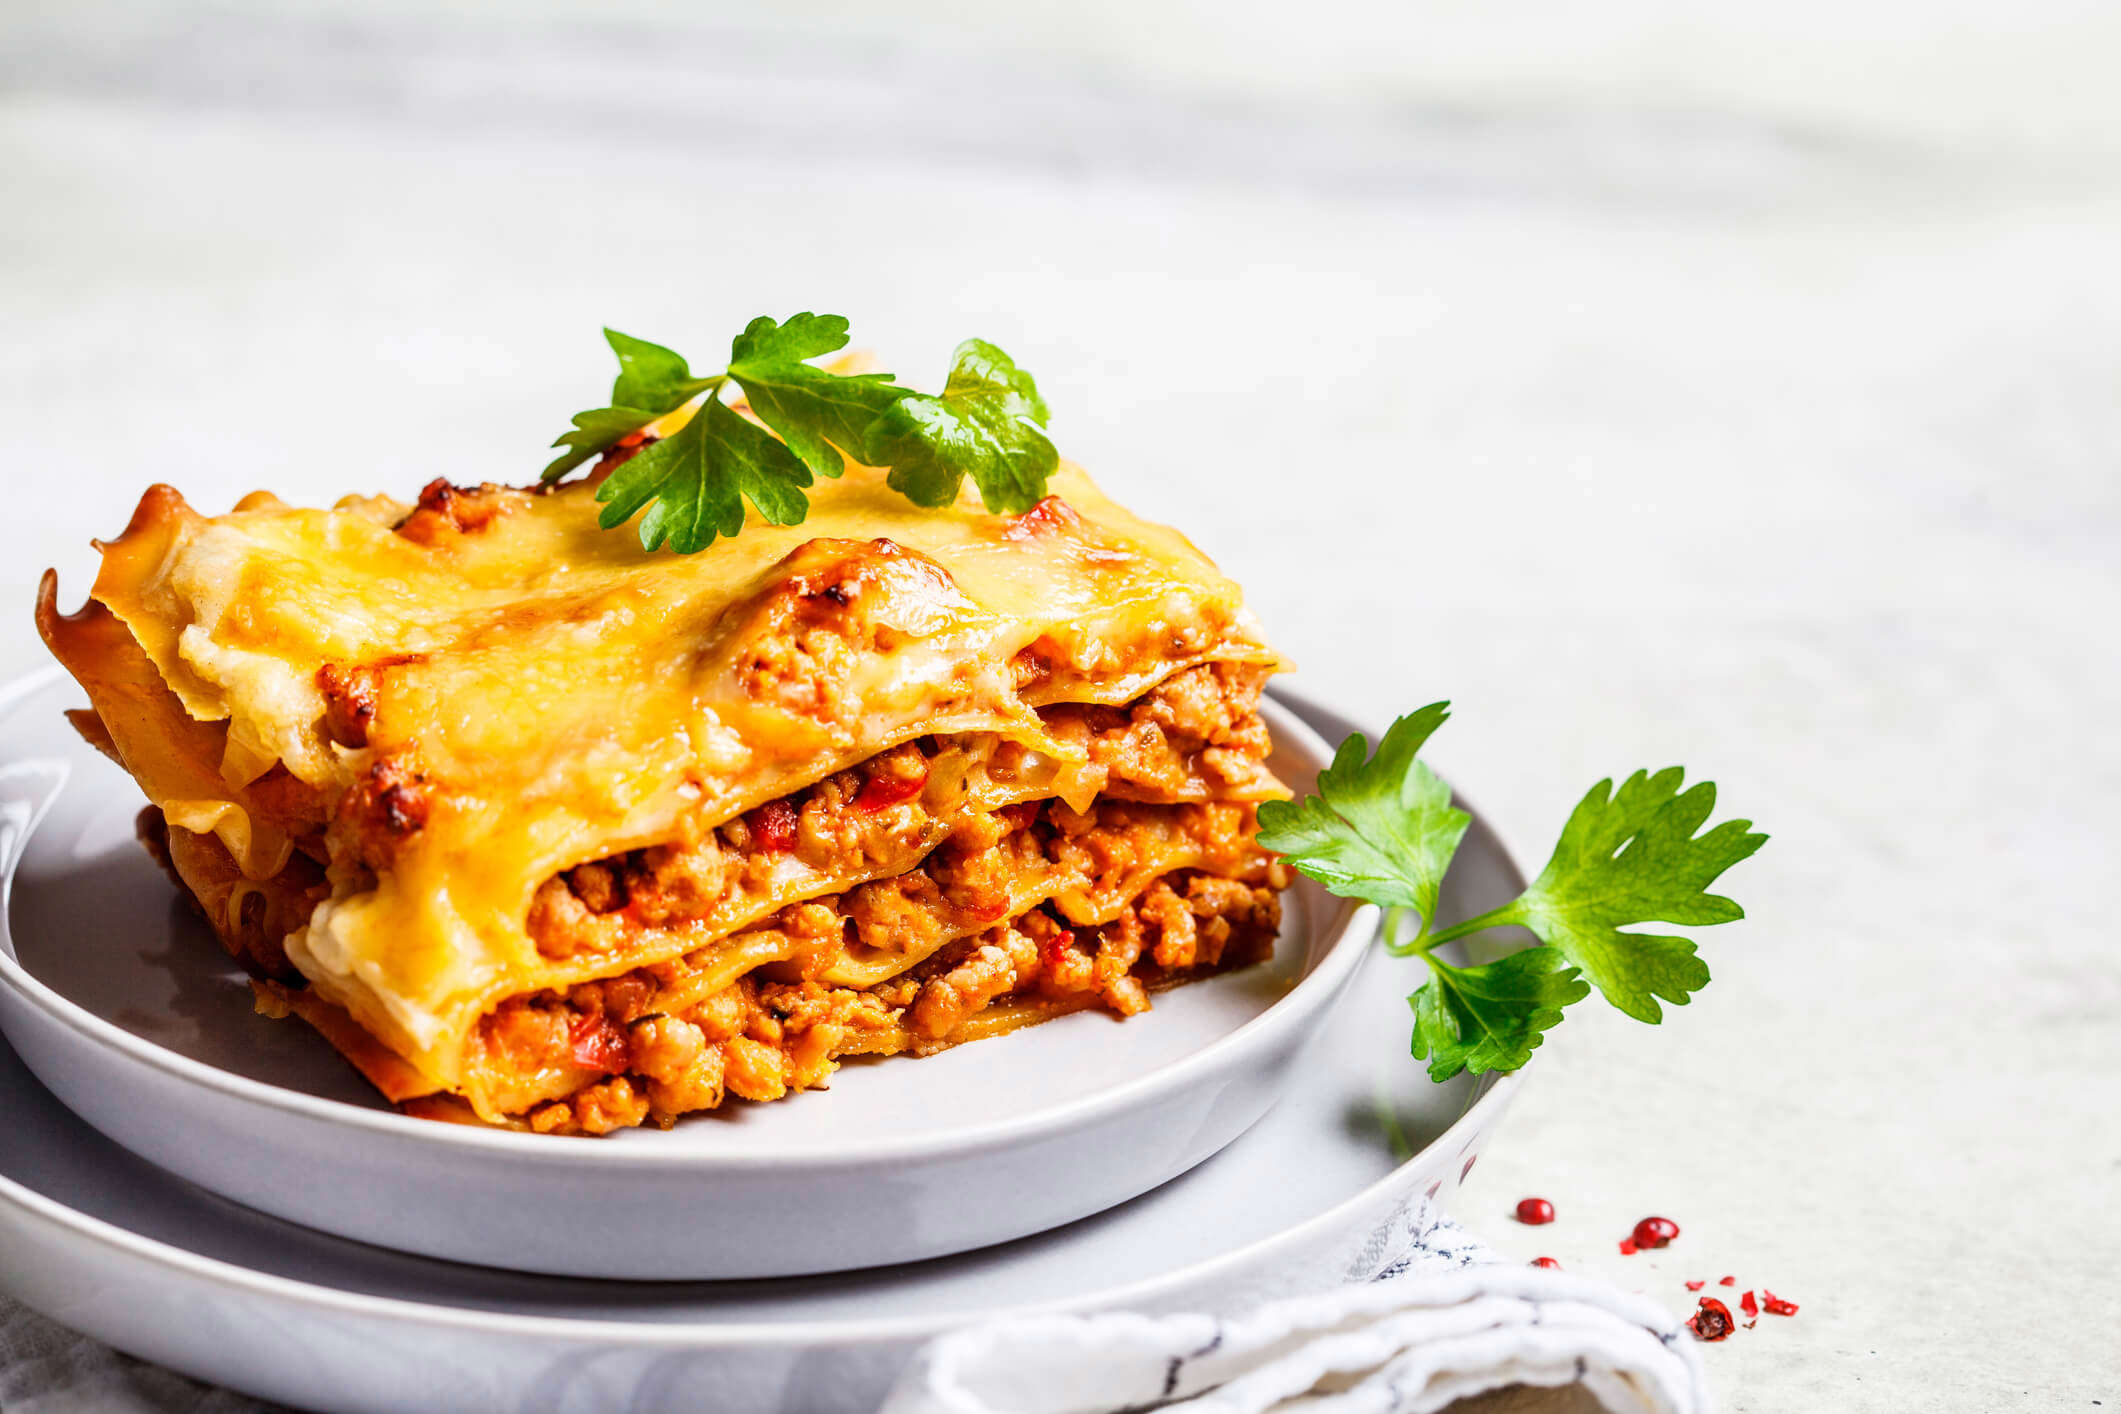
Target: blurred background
(1725, 384)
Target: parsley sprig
(987, 424)
(1382, 829)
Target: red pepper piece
(1727, 1281)
(880, 790)
(1776, 1306)
(597, 1044)
(1747, 1304)
(773, 826)
(1712, 1321)
(1054, 951)
(1548, 1262)
(1535, 1212)
(1627, 1247)
(1695, 1285)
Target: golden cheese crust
(398, 726)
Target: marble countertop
(1789, 452)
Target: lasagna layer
(1196, 737)
(1084, 868)
(642, 1048)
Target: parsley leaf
(985, 425)
(651, 376)
(815, 411)
(1631, 856)
(1382, 829)
(652, 381)
(700, 476)
(1490, 1017)
(595, 432)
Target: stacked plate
(216, 1192)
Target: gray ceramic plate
(120, 1002)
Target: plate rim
(1313, 992)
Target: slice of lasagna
(540, 829)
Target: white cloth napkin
(47, 1369)
(1430, 1316)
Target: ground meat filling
(1196, 737)
(829, 610)
(830, 605)
(1084, 865)
(1086, 862)
(847, 823)
(1074, 869)
(760, 1038)
(1013, 916)
(445, 510)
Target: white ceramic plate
(123, 1005)
(109, 1244)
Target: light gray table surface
(1790, 452)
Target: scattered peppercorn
(1535, 1212)
(1655, 1232)
(1712, 1321)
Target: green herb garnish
(1382, 829)
(985, 424)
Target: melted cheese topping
(554, 694)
